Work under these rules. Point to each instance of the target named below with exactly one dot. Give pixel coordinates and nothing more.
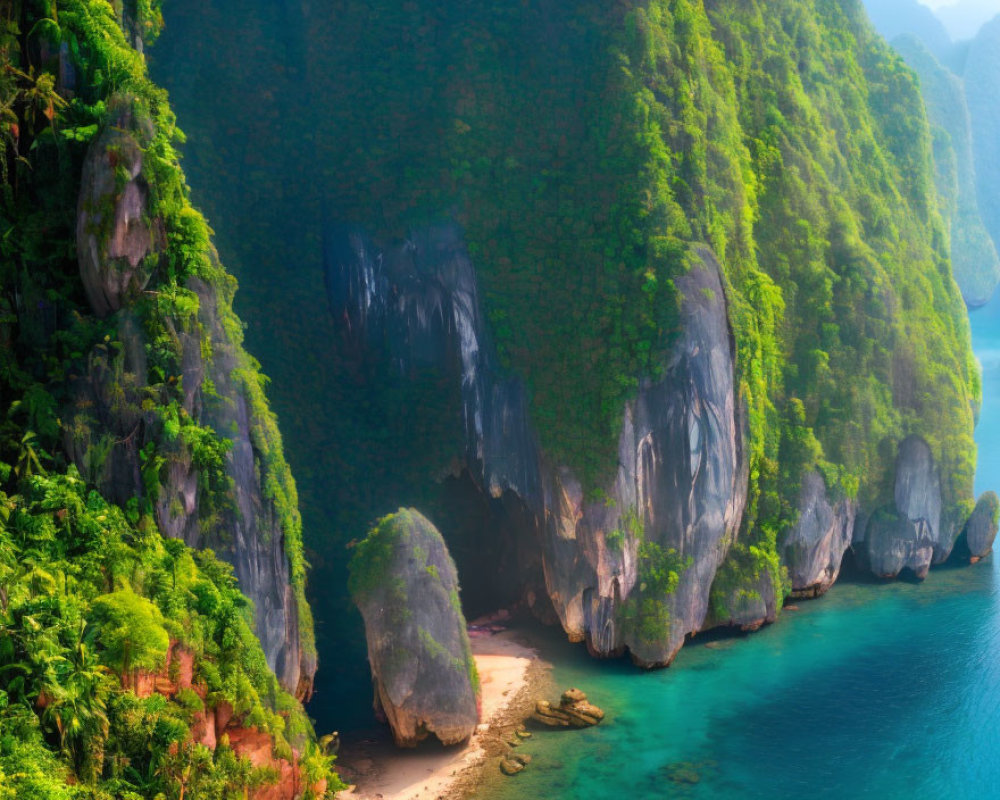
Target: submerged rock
(981, 529)
(405, 584)
(813, 549)
(511, 766)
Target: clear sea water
(873, 691)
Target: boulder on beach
(405, 584)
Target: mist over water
(875, 690)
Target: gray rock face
(814, 547)
(678, 498)
(981, 529)
(682, 477)
(406, 587)
(419, 299)
(113, 235)
(250, 536)
(910, 535)
(110, 428)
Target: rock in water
(908, 535)
(814, 547)
(981, 529)
(405, 584)
(573, 711)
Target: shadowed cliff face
(416, 303)
(678, 496)
(121, 443)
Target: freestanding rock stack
(404, 582)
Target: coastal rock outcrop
(405, 584)
(114, 236)
(909, 534)
(813, 548)
(635, 569)
(981, 529)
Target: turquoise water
(881, 691)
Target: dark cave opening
(493, 541)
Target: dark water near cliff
(881, 691)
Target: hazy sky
(986, 5)
(963, 18)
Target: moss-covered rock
(115, 237)
(405, 584)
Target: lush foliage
(90, 593)
(584, 147)
(786, 135)
(89, 599)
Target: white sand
(430, 772)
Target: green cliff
(132, 665)
(586, 152)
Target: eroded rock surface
(814, 547)
(246, 510)
(406, 587)
(114, 235)
(981, 529)
(677, 499)
(909, 534)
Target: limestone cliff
(521, 305)
(814, 547)
(635, 568)
(910, 534)
(211, 465)
(981, 529)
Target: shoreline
(512, 676)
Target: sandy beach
(510, 674)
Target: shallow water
(876, 690)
